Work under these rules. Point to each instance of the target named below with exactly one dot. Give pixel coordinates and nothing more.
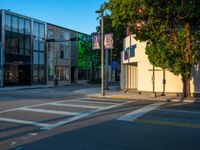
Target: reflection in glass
(42, 32)
(7, 22)
(35, 58)
(21, 25)
(35, 43)
(41, 58)
(14, 24)
(36, 29)
(27, 27)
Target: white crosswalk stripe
(92, 106)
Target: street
(57, 119)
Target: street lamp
(101, 11)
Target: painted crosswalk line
(140, 112)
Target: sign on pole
(108, 41)
(96, 42)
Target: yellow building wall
(144, 73)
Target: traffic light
(75, 39)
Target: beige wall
(144, 72)
(56, 55)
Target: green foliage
(163, 24)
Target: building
(137, 74)
(27, 59)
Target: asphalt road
(56, 119)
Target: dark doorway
(17, 75)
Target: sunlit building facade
(27, 59)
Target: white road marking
(49, 111)
(65, 121)
(74, 105)
(35, 105)
(24, 122)
(95, 102)
(109, 100)
(139, 112)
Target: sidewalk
(116, 93)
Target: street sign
(96, 42)
(108, 41)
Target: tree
(171, 29)
(88, 57)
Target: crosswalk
(65, 111)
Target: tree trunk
(186, 87)
(189, 59)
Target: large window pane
(35, 58)
(27, 42)
(21, 25)
(8, 22)
(41, 57)
(50, 34)
(36, 29)
(14, 24)
(42, 32)
(27, 27)
(21, 45)
(36, 43)
(41, 44)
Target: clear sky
(78, 15)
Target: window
(21, 26)
(64, 73)
(27, 27)
(64, 46)
(41, 58)
(8, 22)
(42, 32)
(36, 42)
(36, 29)
(21, 45)
(35, 58)
(14, 24)
(50, 34)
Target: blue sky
(78, 15)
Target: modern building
(27, 59)
(137, 74)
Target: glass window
(35, 74)
(14, 24)
(41, 43)
(27, 42)
(35, 43)
(64, 35)
(36, 29)
(21, 25)
(35, 58)
(27, 27)
(67, 73)
(41, 57)
(62, 73)
(50, 34)
(27, 52)
(66, 55)
(42, 32)
(21, 45)
(8, 22)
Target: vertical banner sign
(108, 41)
(96, 42)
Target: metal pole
(102, 54)
(106, 69)
(111, 67)
(164, 82)
(153, 82)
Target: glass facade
(24, 60)
(64, 46)
(38, 53)
(17, 51)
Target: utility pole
(101, 11)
